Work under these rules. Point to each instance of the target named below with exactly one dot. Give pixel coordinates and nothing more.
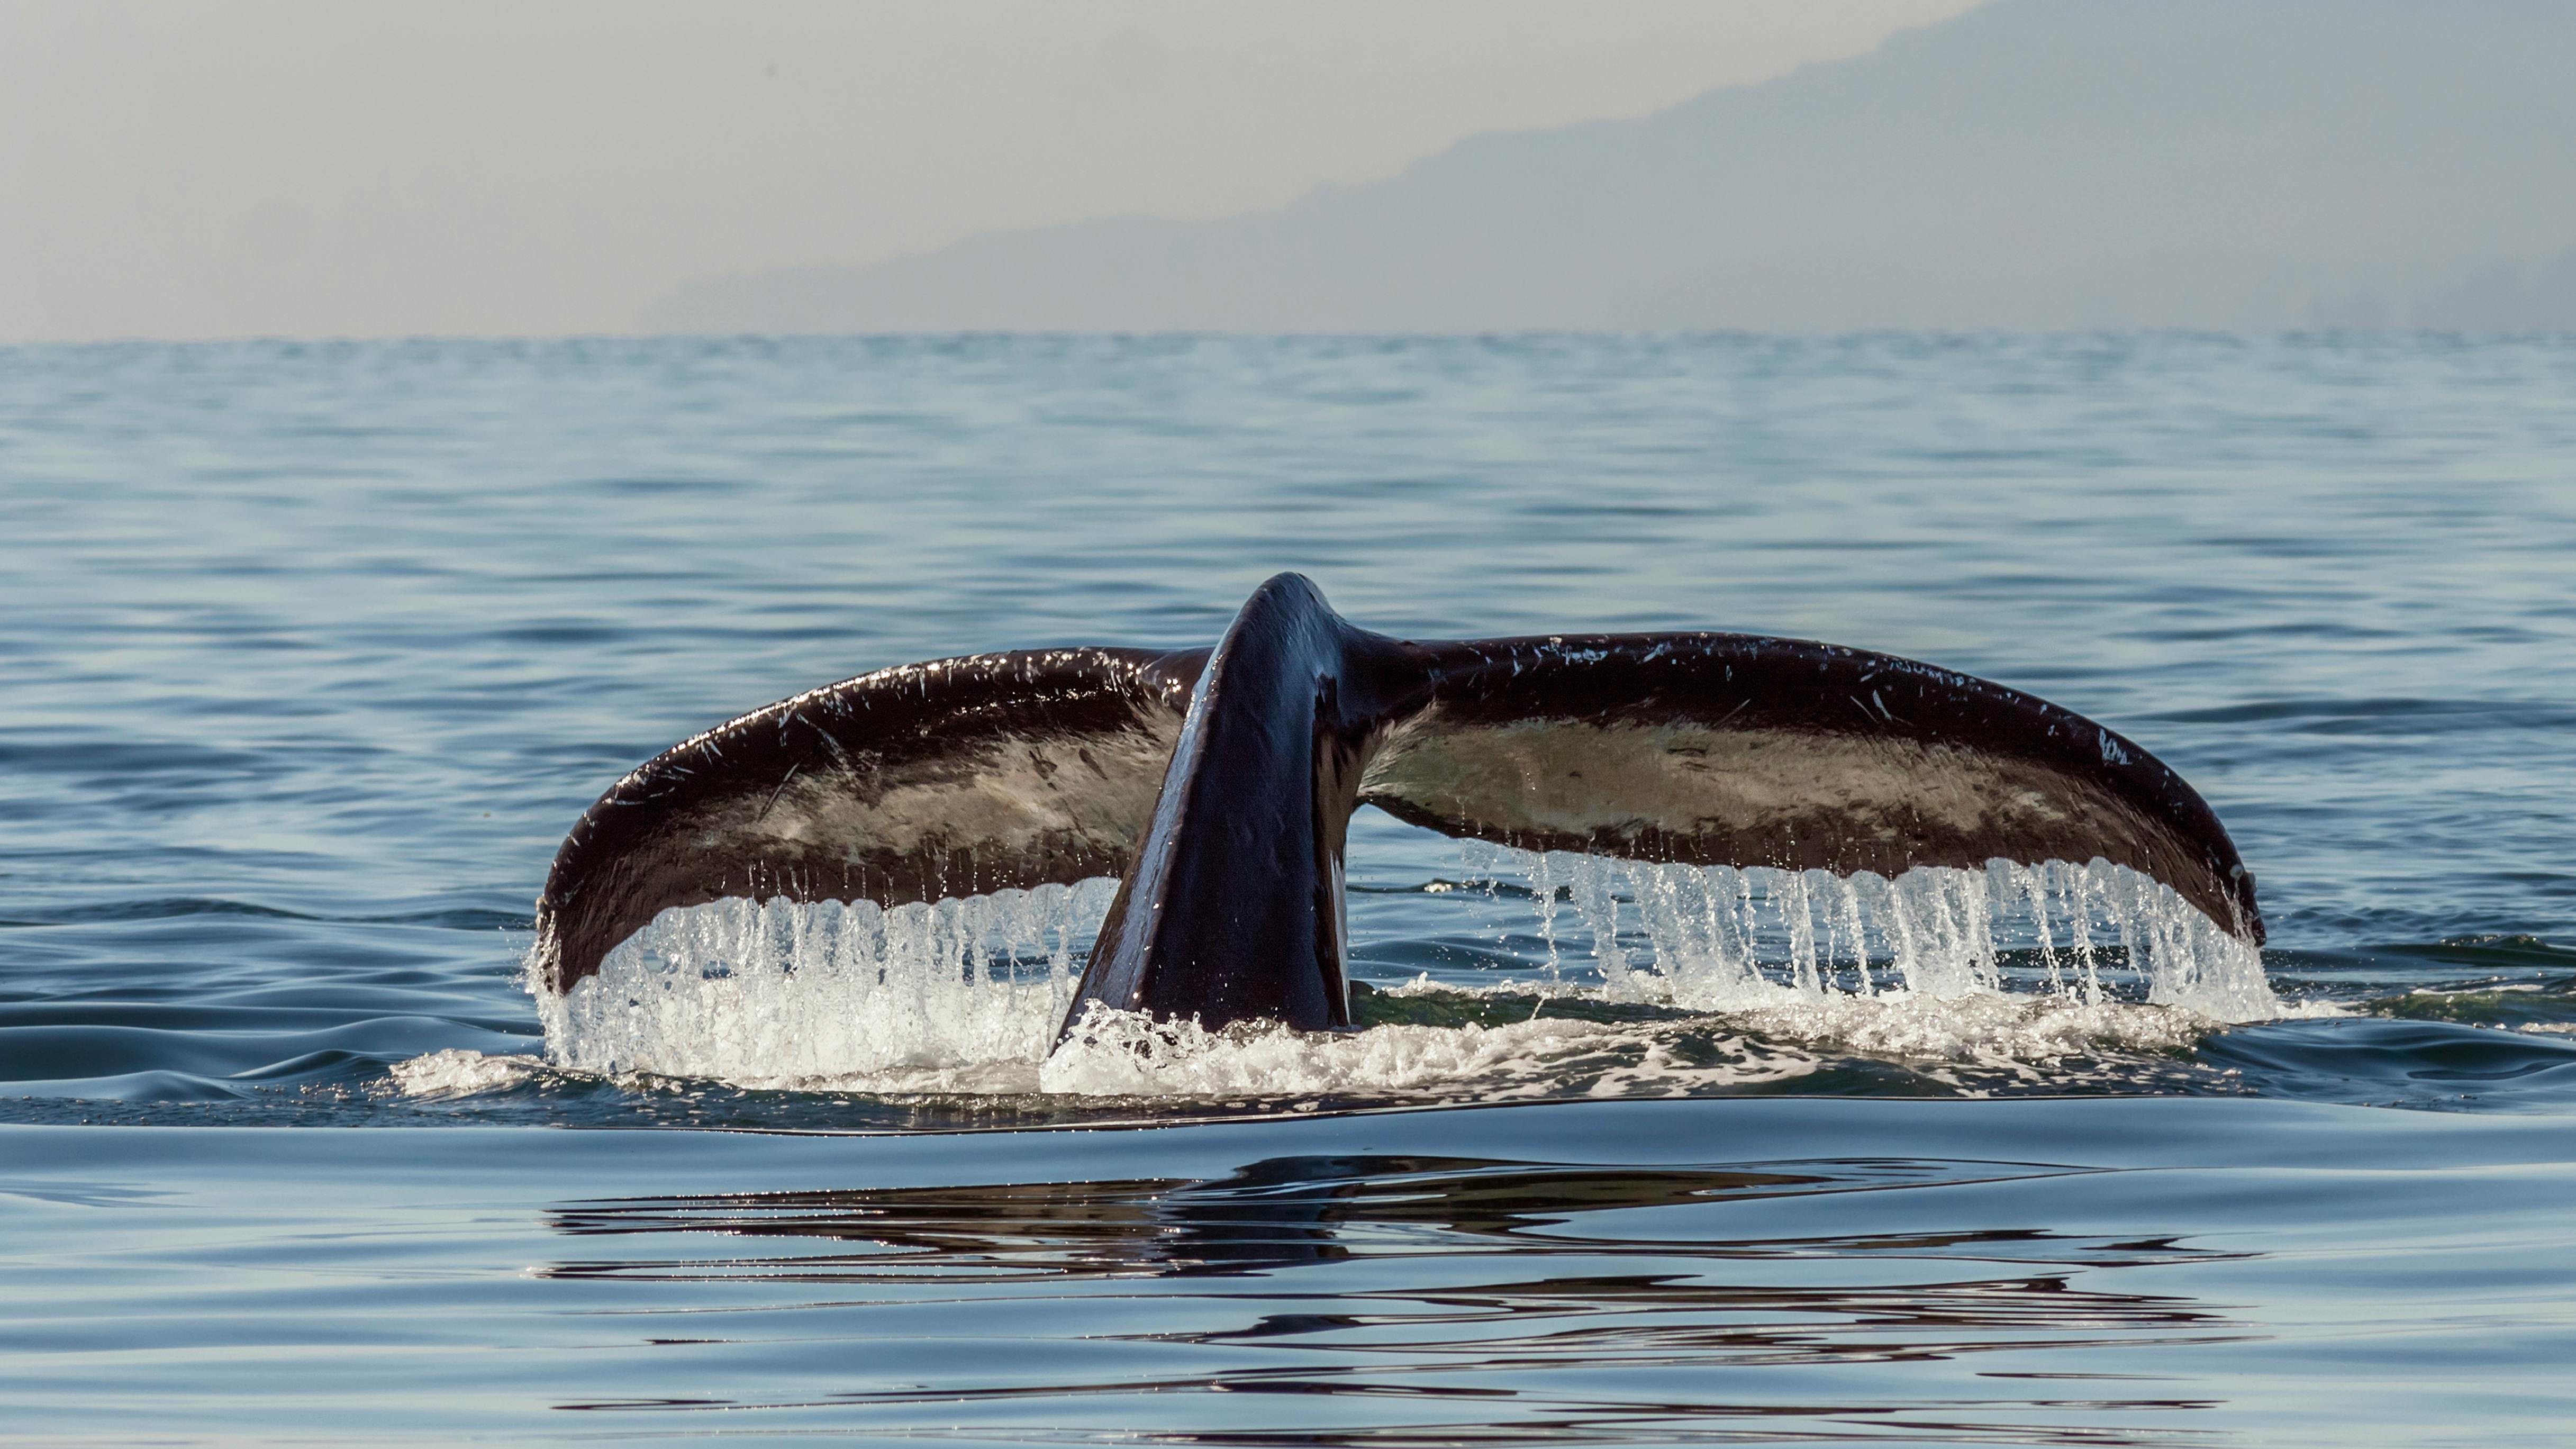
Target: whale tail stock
(1218, 785)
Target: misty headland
(2246, 165)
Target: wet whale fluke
(1218, 784)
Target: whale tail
(1218, 785)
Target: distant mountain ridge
(2033, 164)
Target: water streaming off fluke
(1735, 974)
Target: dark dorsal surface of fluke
(1218, 786)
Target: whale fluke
(942, 779)
(1218, 785)
(1732, 749)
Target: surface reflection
(1273, 1213)
(1283, 1211)
(1572, 1294)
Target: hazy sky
(344, 167)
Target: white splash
(1717, 938)
(2007, 966)
(777, 992)
(1125, 1054)
(459, 1072)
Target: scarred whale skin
(1218, 785)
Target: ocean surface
(313, 652)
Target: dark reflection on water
(2105, 1271)
(1272, 1213)
(1458, 1281)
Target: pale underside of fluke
(1217, 785)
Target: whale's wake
(1636, 979)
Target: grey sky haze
(2035, 165)
(359, 168)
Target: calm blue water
(313, 653)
